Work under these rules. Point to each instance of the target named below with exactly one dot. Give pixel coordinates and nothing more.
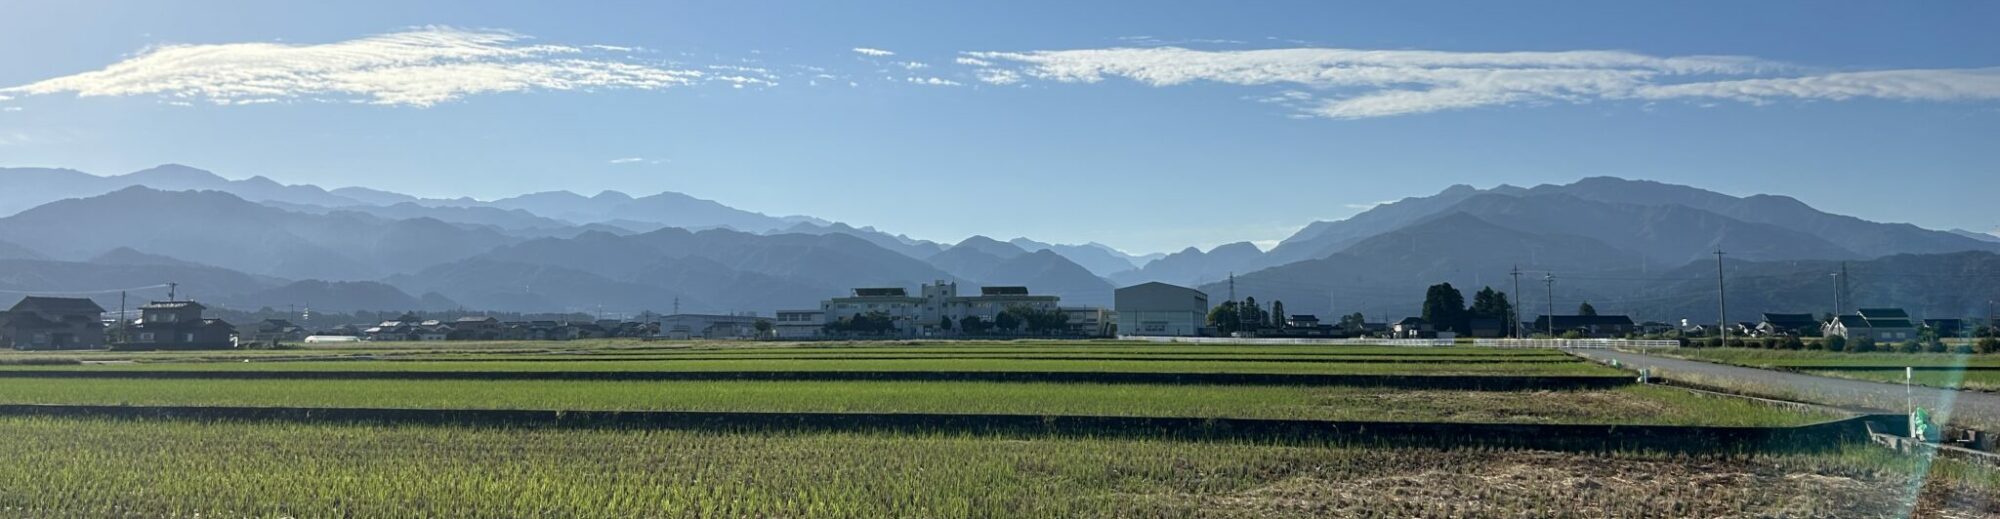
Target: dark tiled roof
(1883, 313)
(1890, 323)
(58, 305)
(25, 320)
(172, 305)
(1413, 321)
(1791, 320)
(1574, 321)
(1851, 321)
(1003, 291)
(881, 292)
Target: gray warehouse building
(1161, 309)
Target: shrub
(1736, 343)
(1831, 343)
(1861, 345)
(1935, 346)
(1986, 345)
(1792, 343)
(1962, 349)
(1909, 347)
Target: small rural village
(989, 260)
(1146, 310)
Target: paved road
(1970, 407)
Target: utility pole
(121, 316)
(1550, 280)
(1836, 293)
(1845, 293)
(1232, 288)
(1721, 299)
(1514, 323)
(172, 287)
(677, 305)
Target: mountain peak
(176, 173)
(1237, 248)
(1458, 189)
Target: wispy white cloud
(913, 65)
(865, 51)
(974, 62)
(418, 67)
(1368, 205)
(634, 160)
(1354, 83)
(997, 76)
(932, 81)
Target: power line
(1721, 299)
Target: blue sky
(1149, 126)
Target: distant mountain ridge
(256, 241)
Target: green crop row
(1470, 367)
(1629, 405)
(165, 468)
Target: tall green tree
(1251, 313)
(972, 324)
(1586, 309)
(1353, 322)
(1006, 322)
(1444, 307)
(1493, 304)
(1224, 318)
(1277, 314)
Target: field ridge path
(1972, 407)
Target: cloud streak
(1356, 83)
(419, 67)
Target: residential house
(1880, 324)
(1780, 325)
(475, 328)
(1660, 328)
(709, 326)
(390, 331)
(430, 330)
(1413, 328)
(272, 332)
(1593, 326)
(178, 325)
(1945, 327)
(52, 323)
(1487, 328)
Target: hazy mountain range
(1626, 246)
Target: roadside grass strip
(1951, 371)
